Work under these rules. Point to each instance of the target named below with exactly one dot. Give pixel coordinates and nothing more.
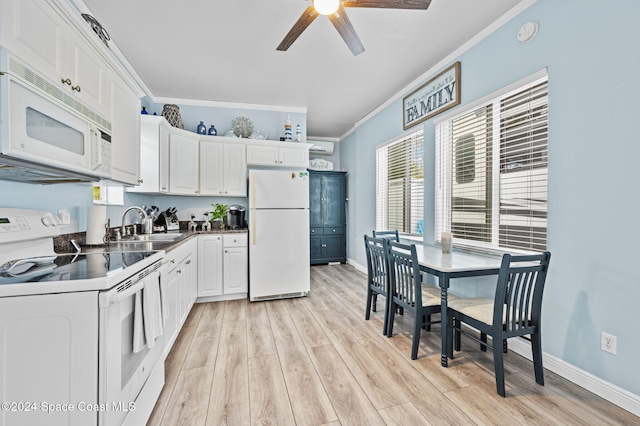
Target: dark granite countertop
(149, 245)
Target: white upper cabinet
(183, 163)
(223, 168)
(278, 154)
(39, 36)
(211, 168)
(154, 155)
(125, 132)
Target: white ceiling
(214, 50)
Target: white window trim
(388, 142)
(443, 192)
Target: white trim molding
(612, 393)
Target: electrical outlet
(608, 343)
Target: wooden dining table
(446, 266)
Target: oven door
(123, 372)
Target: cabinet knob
(324, 245)
(76, 88)
(334, 230)
(179, 271)
(313, 231)
(66, 81)
(140, 180)
(164, 188)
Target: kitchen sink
(151, 237)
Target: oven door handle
(112, 296)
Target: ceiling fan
(334, 9)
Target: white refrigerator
(278, 234)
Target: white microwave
(38, 130)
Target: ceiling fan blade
(389, 4)
(301, 24)
(341, 21)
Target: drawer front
(334, 231)
(316, 231)
(234, 240)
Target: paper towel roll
(96, 219)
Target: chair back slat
(377, 267)
(518, 299)
(391, 235)
(405, 285)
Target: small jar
(213, 131)
(446, 239)
(202, 129)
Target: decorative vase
(172, 113)
(213, 131)
(202, 129)
(298, 133)
(144, 111)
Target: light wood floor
(316, 361)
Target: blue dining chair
(392, 235)
(407, 291)
(377, 276)
(515, 311)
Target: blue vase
(202, 129)
(213, 131)
(144, 110)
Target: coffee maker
(235, 217)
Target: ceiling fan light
(326, 7)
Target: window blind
(491, 172)
(400, 185)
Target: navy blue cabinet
(327, 217)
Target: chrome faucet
(124, 215)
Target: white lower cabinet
(235, 268)
(222, 265)
(179, 283)
(48, 354)
(209, 265)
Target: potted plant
(218, 215)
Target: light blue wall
(268, 123)
(591, 51)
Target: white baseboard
(356, 265)
(612, 393)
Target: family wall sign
(435, 96)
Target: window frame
(444, 170)
(382, 191)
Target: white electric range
(75, 347)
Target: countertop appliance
(235, 217)
(68, 322)
(46, 136)
(278, 234)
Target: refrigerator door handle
(253, 210)
(253, 225)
